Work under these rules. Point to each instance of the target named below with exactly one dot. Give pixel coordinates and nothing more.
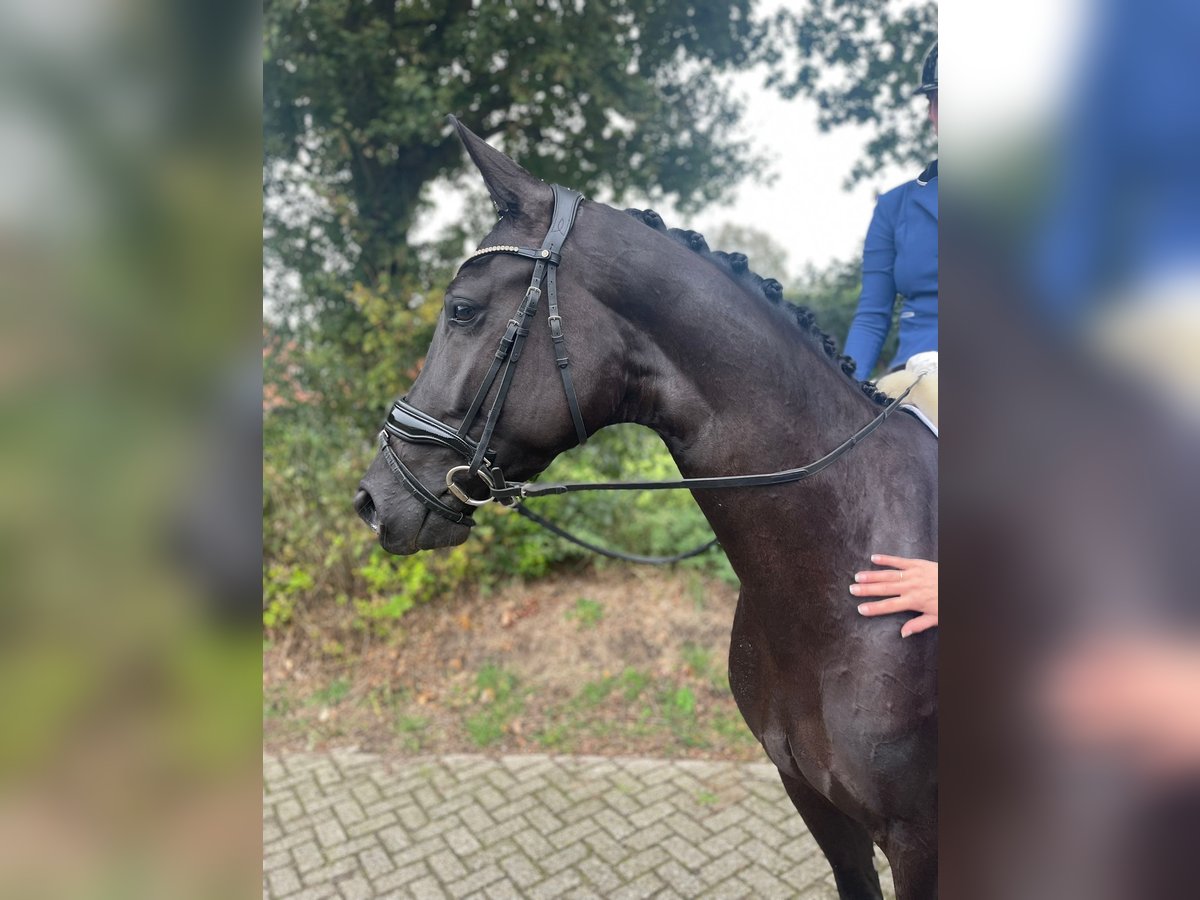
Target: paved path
(354, 825)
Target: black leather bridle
(413, 426)
(416, 427)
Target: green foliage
(500, 702)
(396, 584)
(860, 61)
(276, 707)
(679, 710)
(355, 96)
(496, 680)
(733, 728)
(278, 612)
(333, 694)
(697, 659)
(633, 683)
(355, 99)
(595, 692)
(281, 588)
(411, 730)
(554, 737)
(651, 523)
(698, 713)
(602, 97)
(587, 613)
(681, 703)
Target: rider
(901, 256)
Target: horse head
(493, 372)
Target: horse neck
(727, 381)
(733, 387)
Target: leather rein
(411, 425)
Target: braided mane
(737, 266)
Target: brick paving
(351, 825)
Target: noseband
(413, 426)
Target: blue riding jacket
(900, 256)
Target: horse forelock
(737, 267)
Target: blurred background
(130, 474)
(1070, 250)
(143, 364)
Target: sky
(805, 210)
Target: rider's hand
(911, 586)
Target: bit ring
(462, 495)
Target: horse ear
(509, 184)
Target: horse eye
(462, 312)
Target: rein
(513, 493)
(412, 425)
(521, 490)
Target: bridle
(413, 426)
(410, 424)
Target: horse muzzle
(394, 502)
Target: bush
(323, 571)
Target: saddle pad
(924, 396)
(921, 417)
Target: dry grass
(615, 662)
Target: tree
(607, 94)
(860, 61)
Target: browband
(540, 254)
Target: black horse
(667, 334)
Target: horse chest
(834, 714)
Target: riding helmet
(929, 72)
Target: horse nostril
(366, 509)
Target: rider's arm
(873, 318)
